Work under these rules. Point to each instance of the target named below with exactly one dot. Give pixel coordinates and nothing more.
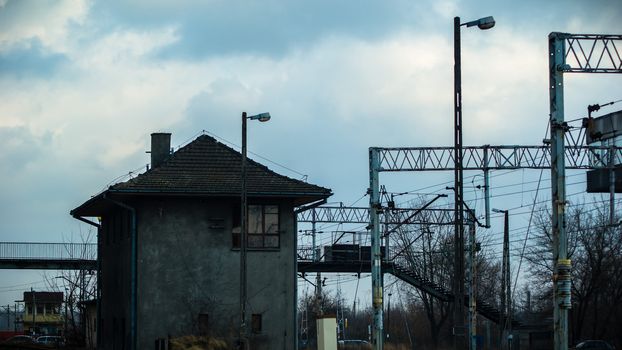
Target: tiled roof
(207, 166)
(44, 297)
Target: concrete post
(561, 264)
(376, 272)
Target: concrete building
(43, 313)
(90, 323)
(169, 249)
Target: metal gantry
(590, 53)
(483, 158)
(570, 53)
(493, 157)
(360, 215)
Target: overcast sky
(84, 83)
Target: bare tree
(594, 247)
(429, 255)
(78, 286)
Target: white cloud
(445, 8)
(46, 21)
(331, 98)
(122, 47)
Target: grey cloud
(213, 108)
(273, 28)
(31, 60)
(262, 27)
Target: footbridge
(83, 256)
(48, 256)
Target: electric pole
(318, 277)
(472, 290)
(505, 320)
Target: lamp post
(458, 287)
(262, 117)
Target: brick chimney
(160, 148)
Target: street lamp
(482, 23)
(66, 302)
(262, 117)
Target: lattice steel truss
(493, 157)
(592, 53)
(360, 215)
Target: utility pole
(318, 277)
(376, 263)
(459, 331)
(505, 283)
(34, 309)
(508, 279)
(458, 284)
(388, 331)
(505, 319)
(561, 263)
(8, 316)
(472, 292)
(66, 314)
(600, 59)
(243, 332)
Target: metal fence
(48, 251)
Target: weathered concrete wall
(114, 324)
(187, 267)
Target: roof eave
(96, 204)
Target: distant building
(10, 319)
(43, 313)
(184, 217)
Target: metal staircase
(422, 283)
(440, 292)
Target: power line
(304, 176)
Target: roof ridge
(206, 164)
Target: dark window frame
(256, 323)
(266, 232)
(203, 323)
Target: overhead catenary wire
(533, 203)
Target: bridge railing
(48, 251)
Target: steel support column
(486, 186)
(376, 263)
(561, 264)
(612, 185)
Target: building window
(203, 324)
(256, 323)
(262, 227)
(52, 309)
(39, 309)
